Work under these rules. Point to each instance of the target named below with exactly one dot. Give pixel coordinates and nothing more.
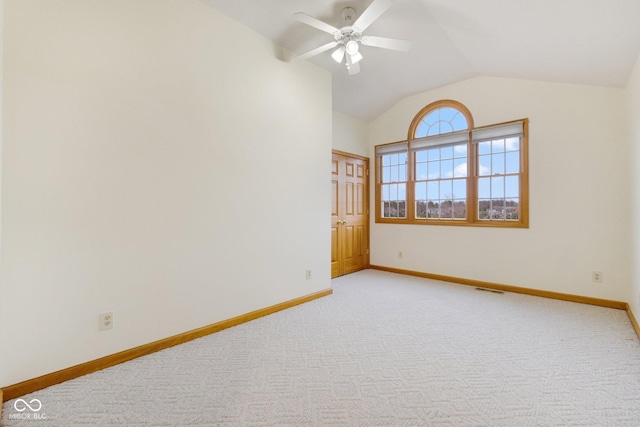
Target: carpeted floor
(383, 350)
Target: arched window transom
(441, 120)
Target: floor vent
(490, 290)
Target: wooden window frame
(472, 177)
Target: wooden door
(349, 213)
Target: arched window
(440, 117)
(448, 172)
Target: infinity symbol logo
(21, 405)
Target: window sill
(455, 223)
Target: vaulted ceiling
(591, 42)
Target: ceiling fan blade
(386, 43)
(316, 51)
(316, 23)
(353, 67)
(373, 12)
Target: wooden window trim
(472, 219)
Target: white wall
(633, 105)
(350, 135)
(160, 163)
(579, 197)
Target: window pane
(394, 173)
(432, 117)
(386, 160)
(434, 154)
(433, 209)
(402, 172)
(447, 113)
(446, 153)
(445, 127)
(446, 189)
(446, 209)
(433, 190)
(421, 171)
(497, 164)
(497, 187)
(459, 189)
(460, 151)
(512, 144)
(484, 148)
(484, 206)
(422, 129)
(402, 191)
(484, 165)
(459, 122)
(484, 188)
(460, 168)
(402, 158)
(434, 170)
(446, 168)
(497, 209)
(393, 192)
(513, 162)
(460, 209)
(421, 156)
(497, 146)
(421, 209)
(421, 190)
(512, 210)
(512, 188)
(393, 209)
(386, 174)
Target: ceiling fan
(348, 38)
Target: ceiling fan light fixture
(338, 54)
(352, 47)
(356, 57)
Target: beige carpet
(383, 350)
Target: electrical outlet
(596, 276)
(399, 254)
(308, 274)
(106, 321)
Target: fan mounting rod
(348, 13)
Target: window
(449, 172)
(393, 180)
